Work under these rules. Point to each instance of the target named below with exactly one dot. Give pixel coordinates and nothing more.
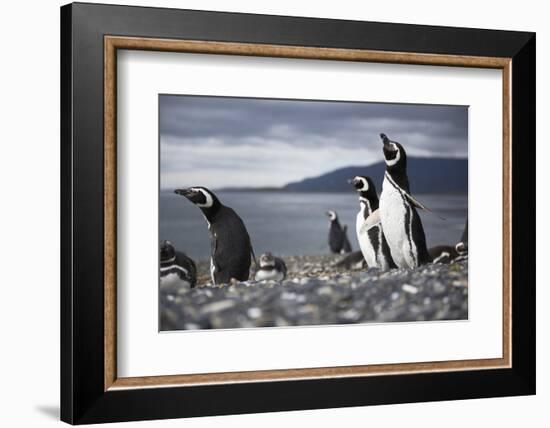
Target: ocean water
(295, 223)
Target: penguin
(176, 269)
(271, 268)
(335, 233)
(372, 241)
(448, 253)
(443, 254)
(346, 247)
(353, 260)
(462, 246)
(401, 223)
(231, 249)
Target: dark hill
(426, 175)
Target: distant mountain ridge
(426, 175)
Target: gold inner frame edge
(113, 43)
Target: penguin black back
(346, 246)
(419, 237)
(231, 249)
(335, 233)
(231, 246)
(462, 246)
(464, 237)
(353, 260)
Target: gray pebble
(315, 292)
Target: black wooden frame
(83, 399)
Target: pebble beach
(318, 291)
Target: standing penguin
(462, 246)
(271, 268)
(335, 233)
(176, 269)
(372, 241)
(400, 220)
(231, 249)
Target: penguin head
(462, 248)
(267, 260)
(332, 215)
(167, 251)
(394, 153)
(201, 197)
(365, 187)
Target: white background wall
(29, 222)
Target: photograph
(289, 212)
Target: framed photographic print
(265, 213)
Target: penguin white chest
(212, 270)
(393, 213)
(269, 274)
(364, 243)
(172, 283)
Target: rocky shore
(318, 292)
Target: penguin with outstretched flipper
(371, 240)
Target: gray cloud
(218, 141)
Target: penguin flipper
(253, 256)
(421, 206)
(215, 262)
(371, 221)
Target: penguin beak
(184, 192)
(387, 143)
(385, 140)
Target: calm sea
(295, 223)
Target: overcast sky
(220, 142)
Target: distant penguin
(462, 246)
(346, 247)
(371, 240)
(354, 260)
(400, 220)
(443, 253)
(448, 253)
(176, 269)
(231, 249)
(335, 233)
(271, 268)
